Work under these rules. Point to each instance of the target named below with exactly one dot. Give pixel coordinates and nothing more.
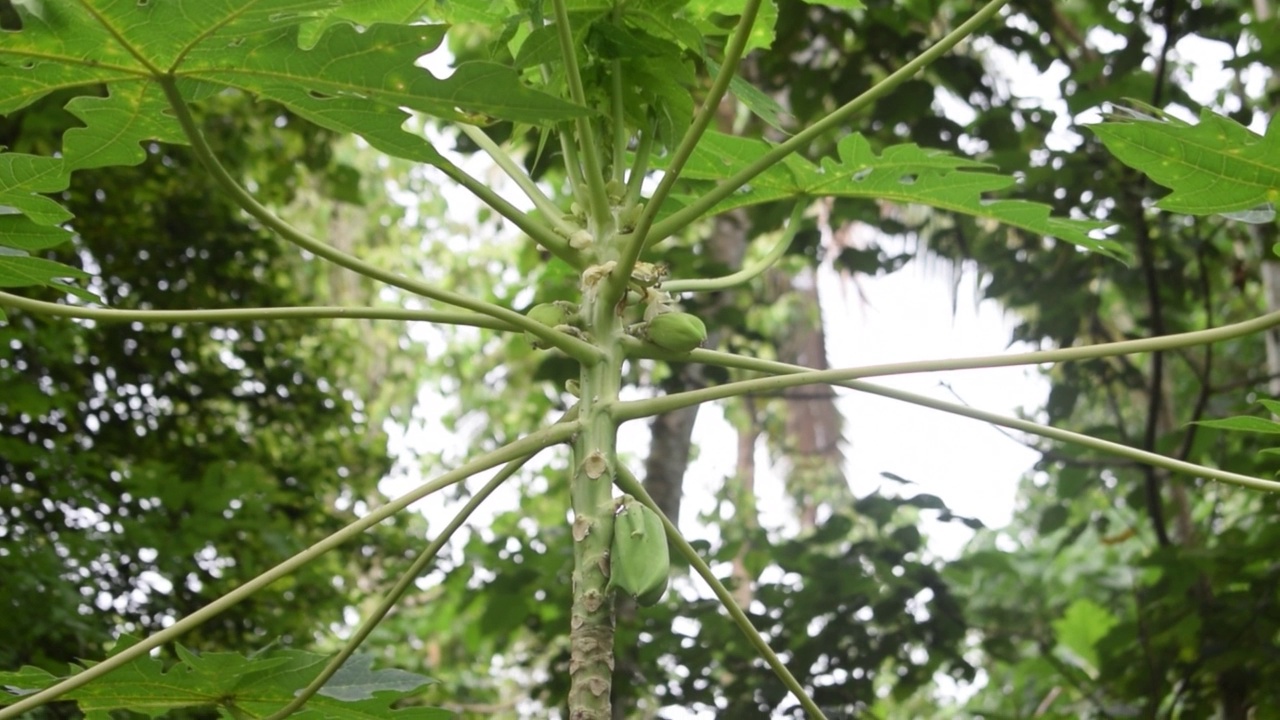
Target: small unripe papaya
(676, 331)
(550, 314)
(639, 562)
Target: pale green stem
(519, 177)
(1106, 446)
(597, 198)
(794, 376)
(628, 483)
(635, 183)
(575, 348)
(546, 437)
(539, 233)
(747, 273)
(806, 138)
(573, 166)
(591, 629)
(402, 585)
(636, 241)
(636, 348)
(619, 118)
(252, 314)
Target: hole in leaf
(143, 3)
(236, 42)
(316, 94)
(908, 179)
(861, 174)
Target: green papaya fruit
(676, 331)
(639, 562)
(550, 314)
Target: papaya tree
(620, 100)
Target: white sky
(908, 316)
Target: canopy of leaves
(143, 468)
(1118, 590)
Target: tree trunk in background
(811, 445)
(672, 433)
(1270, 266)
(671, 438)
(744, 493)
(1271, 292)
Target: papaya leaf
(365, 13)
(21, 271)
(18, 236)
(760, 104)
(1250, 424)
(248, 687)
(357, 680)
(1216, 166)
(133, 112)
(1243, 423)
(20, 233)
(664, 19)
(901, 173)
(255, 46)
(22, 179)
(704, 13)
(308, 55)
(347, 78)
(375, 66)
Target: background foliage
(136, 458)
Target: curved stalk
(249, 314)
(636, 348)
(519, 177)
(749, 272)
(805, 138)
(541, 234)
(575, 348)
(558, 433)
(633, 244)
(628, 483)
(393, 595)
(1106, 446)
(635, 183)
(598, 201)
(572, 164)
(793, 376)
(619, 113)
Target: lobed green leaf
(249, 687)
(901, 173)
(1217, 166)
